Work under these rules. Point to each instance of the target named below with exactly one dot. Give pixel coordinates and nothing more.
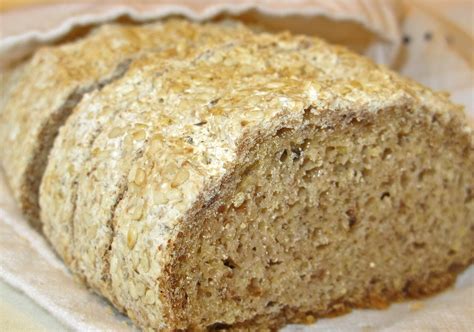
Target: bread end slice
(346, 210)
(265, 199)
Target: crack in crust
(112, 223)
(37, 166)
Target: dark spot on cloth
(202, 123)
(428, 36)
(406, 39)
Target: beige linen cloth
(436, 52)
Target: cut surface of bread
(319, 220)
(257, 179)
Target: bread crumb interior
(338, 211)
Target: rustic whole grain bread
(225, 178)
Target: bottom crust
(414, 289)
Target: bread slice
(70, 210)
(55, 81)
(265, 180)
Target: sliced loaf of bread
(234, 179)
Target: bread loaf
(228, 179)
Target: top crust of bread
(53, 83)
